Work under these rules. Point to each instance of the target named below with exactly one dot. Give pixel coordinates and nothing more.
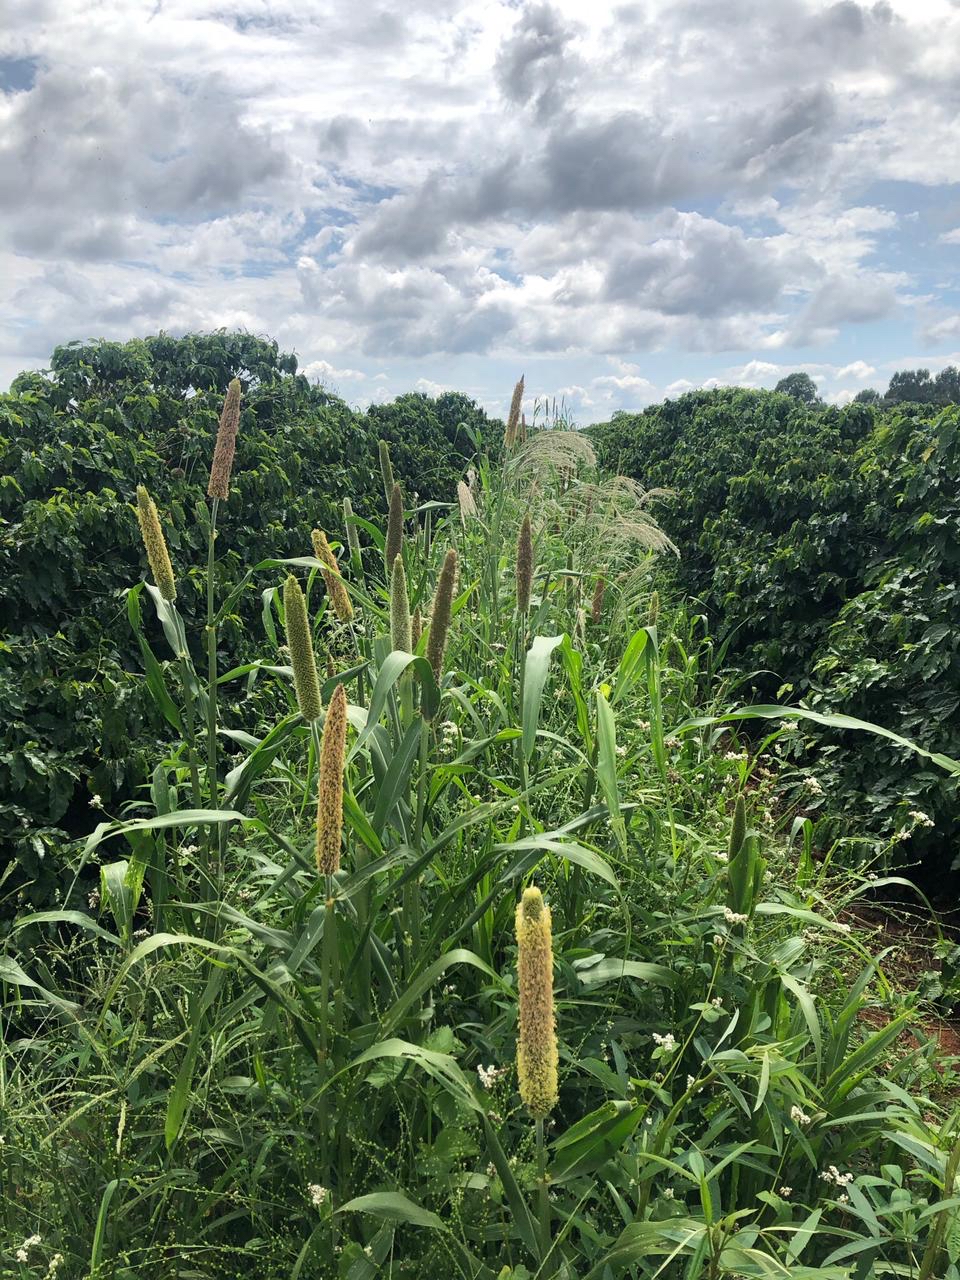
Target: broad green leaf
(395, 1206)
(534, 678)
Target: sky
(620, 202)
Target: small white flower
(490, 1075)
(733, 917)
(920, 818)
(799, 1116)
(96, 802)
(721, 855)
(691, 1081)
(786, 1192)
(93, 899)
(54, 1266)
(668, 1193)
(813, 785)
(368, 1250)
(717, 1002)
(718, 940)
(621, 751)
(843, 1199)
(667, 1041)
(317, 1194)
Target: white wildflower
(786, 1192)
(667, 1042)
(96, 802)
(813, 785)
(490, 1075)
(799, 1116)
(317, 1194)
(920, 818)
(733, 917)
(668, 1193)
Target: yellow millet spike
(222, 465)
(537, 1056)
(300, 644)
(151, 530)
(330, 785)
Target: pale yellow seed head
(537, 1054)
(394, 539)
(441, 612)
(222, 465)
(151, 530)
(300, 643)
(513, 418)
(330, 784)
(339, 596)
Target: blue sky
(619, 201)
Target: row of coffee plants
(824, 546)
(490, 954)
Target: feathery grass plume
(353, 541)
(300, 644)
(416, 627)
(513, 418)
(467, 505)
(401, 636)
(653, 611)
(330, 784)
(337, 592)
(386, 470)
(151, 530)
(596, 605)
(440, 613)
(394, 544)
(222, 465)
(537, 1055)
(524, 564)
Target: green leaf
(534, 678)
(394, 1206)
(607, 768)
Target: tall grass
(282, 1032)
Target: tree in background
(801, 386)
(917, 386)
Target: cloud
(534, 65)
(857, 369)
(423, 187)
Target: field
(454, 900)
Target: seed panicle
(151, 530)
(300, 643)
(537, 1053)
(339, 596)
(222, 465)
(330, 784)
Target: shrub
(823, 543)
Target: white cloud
(857, 369)
(555, 179)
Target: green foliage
(801, 386)
(73, 446)
(824, 543)
(215, 1061)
